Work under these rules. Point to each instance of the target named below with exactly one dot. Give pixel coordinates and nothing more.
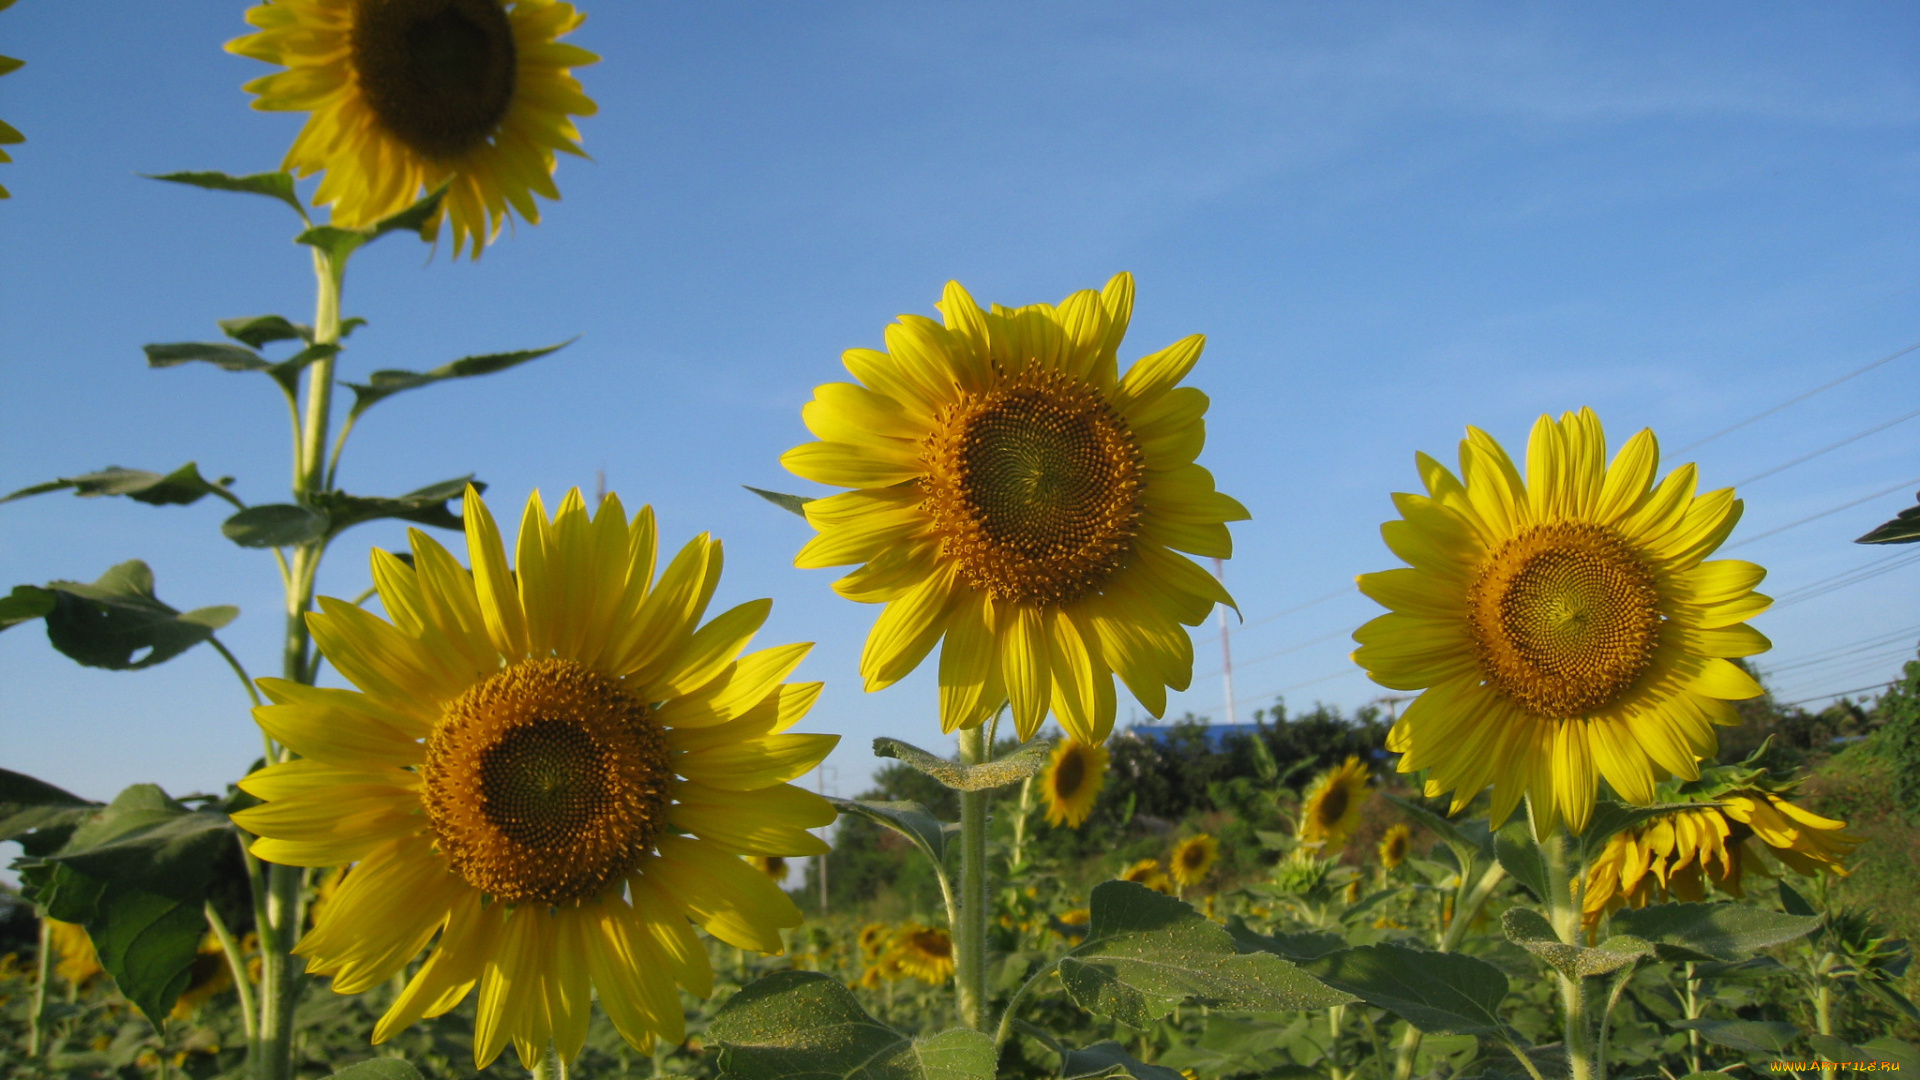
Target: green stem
(1532, 1069)
(550, 1067)
(1693, 1013)
(1466, 907)
(1404, 1054)
(237, 965)
(1018, 861)
(1019, 998)
(1564, 882)
(970, 933)
(36, 1024)
(1823, 1009)
(1620, 982)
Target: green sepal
(340, 243)
(1752, 1036)
(1147, 952)
(424, 506)
(1438, 993)
(104, 623)
(1110, 1059)
(806, 1024)
(274, 185)
(38, 816)
(1695, 932)
(792, 504)
(384, 384)
(275, 525)
(183, 486)
(1531, 931)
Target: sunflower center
(934, 943)
(439, 74)
(1564, 618)
(546, 782)
(1071, 773)
(1193, 857)
(1333, 806)
(1034, 488)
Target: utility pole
(1226, 648)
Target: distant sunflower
(1394, 845)
(1679, 853)
(874, 938)
(209, 975)
(1192, 859)
(924, 952)
(546, 772)
(78, 961)
(1564, 626)
(410, 95)
(1147, 872)
(774, 866)
(1330, 808)
(1016, 496)
(1073, 780)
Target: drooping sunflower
(1192, 859)
(1330, 807)
(1016, 496)
(409, 95)
(1394, 845)
(1147, 872)
(1073, 780)
(774, 866)
(552, 767)
(873, 939)
(1564, 626)
(924, 952)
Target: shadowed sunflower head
(1330, 807)
(545, 772)
(774, 866)
(1740, 816)
(1148, 872)
(1395, 845)
(1017, 497)
(1192, 859)
(1564, 626)
(209, 975)
(407, 96)
(924, 952)
(1072, 781)
(874, 938)
(78, 961)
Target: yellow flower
(78, 961)
(1393, 846)
(924, 952)
(208, 976)
(873, 939)
(774, 866)
(1016, 496)
(1330, 809)
(410, 95)
(1077, 917)
(553, 768)
(1677, 853)
(1564, 627)
(1073, 780)
(1147, 872)
(1192, 859)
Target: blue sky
(1391, 222)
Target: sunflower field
(534, 802)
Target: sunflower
(1677, 853)
(1014, 495)
(924, 952)
(1393, 846)
(208, 976)
(1192, 859)
(1330, 809)
(408, 96)
(873, 939)
(1073, 780)
(1146, 872)
(1564, 626)
(774, 866)
(78, 960)
(552, 768)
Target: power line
(1842, 652)
(1336, 594)
(1294, 648)
(1823, 513)
(1804, 458)
(1835, 694)
(1822, 388)
(1847, 580)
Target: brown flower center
(1070, 774)
(438, 74)
(1333, 805)
(1034, 488)
(546, 782)
(1564, 618)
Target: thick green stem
(1565, 880)
(970, 934)
(36, 1024)
(1693, 1013)
(1823, 1009)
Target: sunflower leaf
(275, 185)
(1903, 529)
(384, 384)
(1438, 993)
(262, 330)
(1694, 932)
(1146, 952)
(1753, 1036)
(181, 487)
(234, 358)
(910, 819)
(107, 623)
(1530, 930)
(1110, 1059)
(424, 506)
(1513, 845)
(275, 525)
(25, 604)
(792, 504)
(1027, 761)
(1470, 840)
(804, 1023)
(1305, 945)
(37, 815)
(339, 243)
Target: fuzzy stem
(970, 934)
(1564, 881)
(237, 965)
(37, 1023)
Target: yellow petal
(731, 900)
(766, 821)
(756, 763)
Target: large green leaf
(275, 525)
(25, 604)
(181, 487)
(1146, 952)
(1530, 930)
(426, 506)
(106, 623)
(1516, 850)
(802, 1025)
(38, 815)
(1753, 1036)
(1027, 761)
(138, 875)
(276, 185)
(382, 385)
(235, 358)
(378, 1069)
(1110, 1059)
(1711, 931)
(910, 819)
(1305, 945)
(1439, 993)
(1903, 529)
